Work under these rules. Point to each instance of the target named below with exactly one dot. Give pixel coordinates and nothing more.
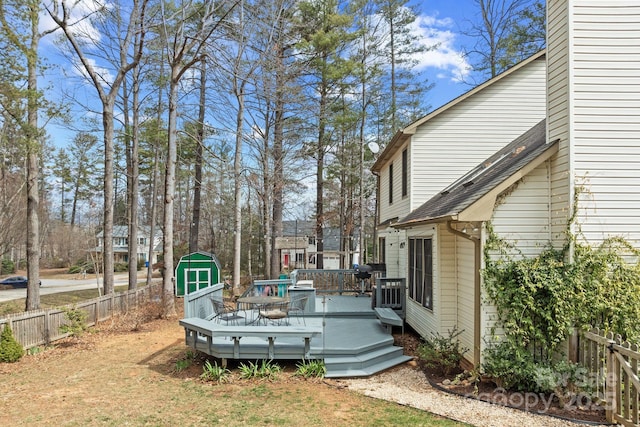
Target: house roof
(472, 197)
(123, 231)
(299, 228)
(402, 135)
(331, 235)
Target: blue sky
(441, 22)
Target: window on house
(391, 183)
(405, 172)
(299, 258)
(312, 240)
(421, 271)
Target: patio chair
(226, 312)
(277, 312)
(297, 306)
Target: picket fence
(612, 369)
(41, 327)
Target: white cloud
(103, 73)
(80, 19)
(433, 31)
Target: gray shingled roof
(478, 182)
(303, 228)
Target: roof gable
(402, 135)
(479, 187)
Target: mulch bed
(579, 410)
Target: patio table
(259, 301)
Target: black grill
(363, 271)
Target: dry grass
(130, 371)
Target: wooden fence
(41, 327)
(612, 369)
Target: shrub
(10, 349)
(82, 265)
(120, 267)
(442, 352)
(511, 367)
(7, 266)
(76, 322)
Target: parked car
(16, 281)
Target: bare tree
(493, 32)
(186, 30)
(14, 20)
(61, 13)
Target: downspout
(476, 294)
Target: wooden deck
(344, 331)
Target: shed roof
(472, 197)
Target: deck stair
(353, 354)
(365, 363)
(389, 318)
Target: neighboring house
(298, 248)
(121, 245)
(512, 151)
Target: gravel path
(408, 386)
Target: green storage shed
(196, 271)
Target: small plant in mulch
(443, 353)
(311, 369)
(266, 369)
(214, 372)
(10, 349)
(186, 361)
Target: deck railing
(198, 303)
(41, 327)
(390, 292)
(328, 281)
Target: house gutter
(476, 294)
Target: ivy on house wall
(539, 300)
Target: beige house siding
(606, 99)
(454, 141)
(396, 258)
(559, 115)
(447, 278)
(400, 205)
(465, 282)
(521, 216)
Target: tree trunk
(134, 184)
(194, 232)
(169, 194)
(237, 174)
(107, 253)
(278, 161)
(33, 194)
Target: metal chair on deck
(224, 311)
(297, 306)
(274, 312)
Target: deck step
(365, 371)
(366, 363)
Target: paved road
(52, 286)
